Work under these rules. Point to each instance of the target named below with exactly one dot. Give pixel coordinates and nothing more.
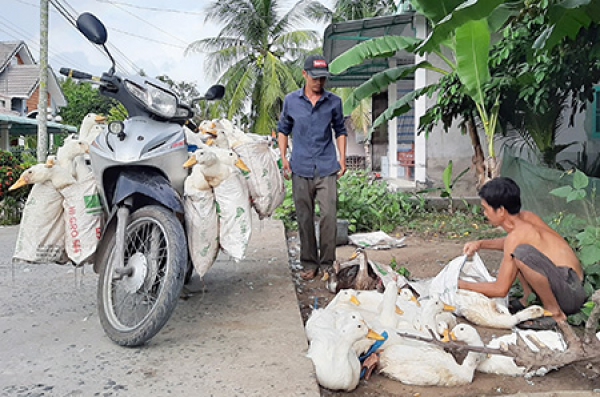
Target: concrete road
(242, 337)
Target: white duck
(218, 139)
(195, 181)
(90, 120)
(430, 365)
(481, 310)
(336, 364)
(216, 164)
(66, 154)
(325, 319)
(40, 173)
(504, 365)
(428, 319)
(234, 135)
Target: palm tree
(257, 55)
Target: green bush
(11, 202)
(367, 204)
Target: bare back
(531, 229)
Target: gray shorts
(565, 283)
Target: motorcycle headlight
(158, 100)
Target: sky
(142, 34)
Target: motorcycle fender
(150, 184)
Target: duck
(218, 139)
(430, 365)
(216, 165)
(504, 365)
(196, 182)
(428, 319)
(90, 120)
(40, 173)
(356, 274)
(235, 136)
(72, 147)
(324, 319)
(481, 310)
(336, 363)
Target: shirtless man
(534, 252)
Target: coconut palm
(257, 55)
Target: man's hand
(342, 170)
(471, 247)
(287, 170)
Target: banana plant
(463, 28)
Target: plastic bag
(445, 284)
(83, 219)
(202, 229)
(265, 182)
(235, 219)
(41, 237)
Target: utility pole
(42, 138)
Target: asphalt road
(243, 336)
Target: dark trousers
(305, 192)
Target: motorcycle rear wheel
(134, 308)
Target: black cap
(316, 66)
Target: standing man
(309, 115)
(535, 253)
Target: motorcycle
(142, 255)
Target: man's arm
(282, 142)
(341, 144)
(473, 246)
(499, 288)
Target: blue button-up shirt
(313, 148)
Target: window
(596, 115)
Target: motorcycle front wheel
(133, 307)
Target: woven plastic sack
(41, 237)
(445, 284)
(265, 181)
(235, 220)
(202, 229)
(83, 220)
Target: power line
(19, 34)
(151, 8)
(146, 38)
(148, 23)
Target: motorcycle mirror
(92, 28)
(215, 92)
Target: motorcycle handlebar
(76, 74)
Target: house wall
(441, 147)
(34, 100)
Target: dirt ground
(425, 258)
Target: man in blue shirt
(311, 115)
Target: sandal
(309, 274)
(515, 305)
(538, 324)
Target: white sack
(265, 181)
(235, 220)
(202, 229)
(376, 240)
(445, 283)
(42, 230)
(83, 219)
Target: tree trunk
(478, 158)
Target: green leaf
(567, 18)
(447, 176)
(562, 191)
(470, 10)
(580, 180)
(472, 55)
(380, 47)
(435, 10)
(576, 195)
(589, 255)
(380, 82)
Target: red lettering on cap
(319, 63)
